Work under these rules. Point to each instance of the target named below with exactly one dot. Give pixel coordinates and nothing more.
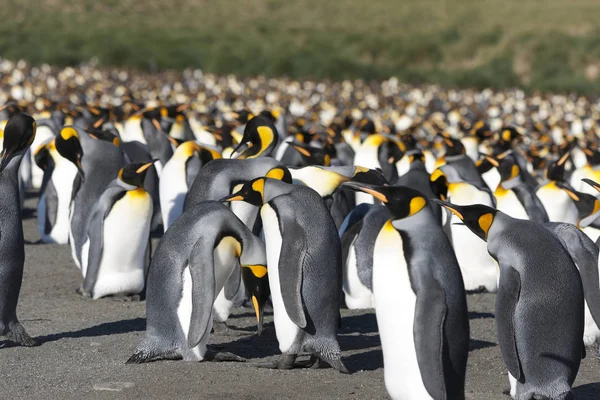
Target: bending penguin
(539, 284)
(425, 343)
(19, 133)
(117, 250)
(189, 268)
(304, 261)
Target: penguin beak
(449, 206)
(239, 151)
(588, 181)
(359, 187)
(301, 150)
(145, 167)
(233, 197)
(259, 310)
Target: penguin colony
(314, 197)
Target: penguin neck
(9, 188)
(274, 188)
(422, 218)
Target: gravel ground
(85, 343)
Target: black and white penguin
(305, 271)
(116, 252)
(189, 268)
(19, 133)
(539, 285)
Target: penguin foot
(120, 297)
(222, 356)
(82, 292)
(286, 361)
(16, 333)
(335, 363)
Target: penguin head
(482, 131)
(454, 147)
(592, 155)
(507, 167)
(134, 174)
(477, 217)
(256, 281)
(42, 156)
(19, 133)
(438, 181)
(260, 138)
(588, 206)
(556, 169)
(252, 192)
(108, 135)
(401, 201)
(68, 146)
(312, 155)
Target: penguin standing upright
(116, 251)
(98, 162)
(189, 268)
(56, 193)
(557, 200)
(19, 133)
(305, 271)
(178, 175)
(425, 343)
(539, 306)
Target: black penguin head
(260, 138)
(592, 155)
(19, 133)
(438, 181)
(368, 176)
(401, 201)
(588, 206)
(454, 147)
(68, 145)
(256, 281)
(108, 135)
(507, 167)
(508, 134)
(556, 169)
(242, 116)
(312, 155)
(134, 174)
(482, 131)
(251, 192)
(477, 217)
(42, 156)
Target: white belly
(172, 190)
(285, 329)
(125, 239)
(591, 333)
(184, 314)
(492, 179)
(62, 179)
(132, 131)
(225, 262)
(395, 311)
(592, 233)
(366, 157)
(357, 295)
(558, 204)
(247, 213)
(510, 205)
(477, 266)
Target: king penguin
(19, 133)
(56, 193)
(98, 162)
(540, 302)
(116, 253)
(189, 268)
(557, 201)
(305, 271)
(425, 342)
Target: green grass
(550, 45)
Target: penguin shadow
(358, 342)
(364, 323)
(589, 391)
(480, 315)
(252, 346)
(104, 329)
(366, 361)
(476, 344)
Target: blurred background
(550, 45)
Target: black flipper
(428, 330)
(232, 284)
(202, 271)
(506, 302)
(95, 233)
(293, 256)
